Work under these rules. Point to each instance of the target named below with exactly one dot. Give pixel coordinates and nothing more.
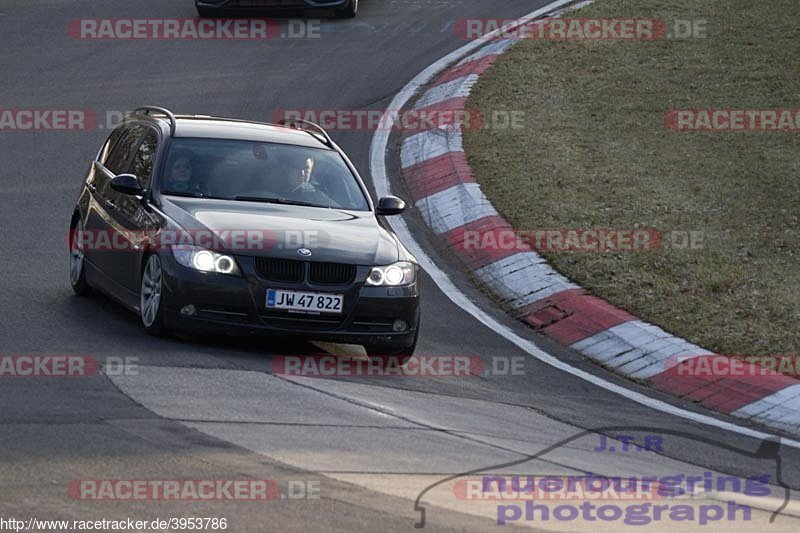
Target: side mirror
(390, 205)
(127, 184)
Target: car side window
(111, 142)
(145, 156)
(120, 156)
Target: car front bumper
(236, 305)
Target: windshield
(262, 172)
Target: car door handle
(109, 204)
(91, 187)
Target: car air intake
(280, 269)
(331, 273)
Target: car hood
(332, 235)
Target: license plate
(314, 302)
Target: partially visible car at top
(212, 8)
(330, 268)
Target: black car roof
(199, 126)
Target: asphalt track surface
(211, 408)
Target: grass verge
(595, 152)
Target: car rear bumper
(236, 305)
(254, 5)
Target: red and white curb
(444, 191)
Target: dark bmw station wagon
(230, 226)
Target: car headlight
(401, 273)
(205, 260)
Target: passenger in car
(180, 178)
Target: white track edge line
(378, 147)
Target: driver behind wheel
(303, 188)
(302, 179)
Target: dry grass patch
(596, 153)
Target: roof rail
(294, 122)
(147, 109)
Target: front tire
(349, 11)
(77, 262)
(151, 301)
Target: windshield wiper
(282, 201)
(187, 194)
